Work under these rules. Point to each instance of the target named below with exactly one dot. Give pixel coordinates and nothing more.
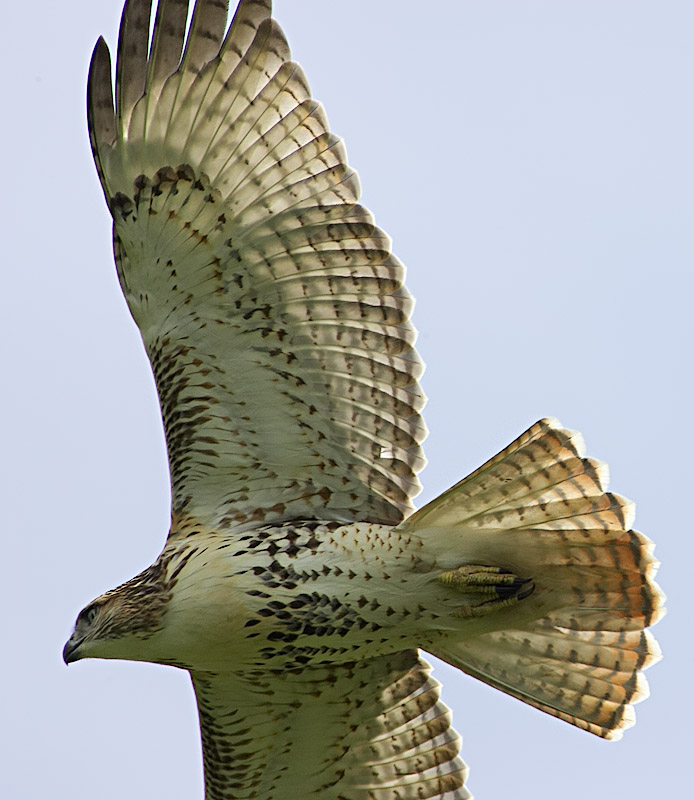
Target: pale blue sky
(532, 160)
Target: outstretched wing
(271, 307)
(371, 730)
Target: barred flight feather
(247, 261)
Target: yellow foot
(498, 588)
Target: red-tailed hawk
(297, 582)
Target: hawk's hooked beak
(70, 653)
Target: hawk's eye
(89, 613)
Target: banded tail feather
(538, 514)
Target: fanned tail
(539, 513)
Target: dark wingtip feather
(207, 31)
(247, 19)
(102, 117)
(133, 47)
(167, 42)
(101, 114)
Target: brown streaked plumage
(297, 584)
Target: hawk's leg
(489, 588)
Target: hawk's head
(157, 615)
(121, 623)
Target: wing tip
(101, 116)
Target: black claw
(526, 589)
(518, 588)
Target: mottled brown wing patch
(370, 730)
(271, 307)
